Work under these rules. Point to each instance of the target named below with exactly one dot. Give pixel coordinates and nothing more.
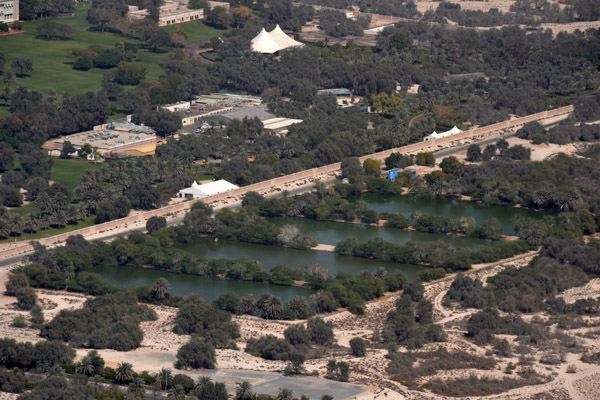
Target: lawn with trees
(53, 70)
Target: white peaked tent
(282, 39)
(436, 135)
(198, 191)
(263, 43)
(272, 42)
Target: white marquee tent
(208, 189)
(436, 135)
(272, 42)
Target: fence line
(306, 174)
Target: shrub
(15, 282)
(320, 332)
(26, 298)
(297, 335)
(196, 354)
(269, 347)
(358, 347)
(19, 321)
(432, 274)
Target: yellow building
(141, 151)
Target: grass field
(89, 221)
(52, 69)
(68, 172)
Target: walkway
(270, 383)
(193, 51)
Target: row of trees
(436, 254)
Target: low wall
(25, 247)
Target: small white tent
(436, 135)
(271, 42)
(208, 189)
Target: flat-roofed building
(9, 11)
(174, 12)
(279, 126)
(107, 138)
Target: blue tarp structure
(393, 174)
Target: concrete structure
(215, 4)
(9, 11)
(172, 12)
(111, 137)
(175, 12)
(436, 135)
(279, 126)
(199, 191)
(272, 42)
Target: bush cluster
(106, 322)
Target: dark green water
(182, 284)
(270, 256)
(327, 232)
(450, 208)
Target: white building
(9, 11)
(436, 135)
(272, 42)
(198, 191)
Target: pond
(327, 232)
(270, 256)
(183, 284)
(450, 208)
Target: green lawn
(26, 209)
(68, 172)
(52, 69)
(89, 221)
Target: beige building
(174, 12)
(9, 11)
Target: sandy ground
(539, 152)
(160, 344)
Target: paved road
(271, 382)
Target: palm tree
(124, 372)
(177, 393)
(4, 227)
(31, 222)
(44, 203)
(55, 370)
(165, 377)
(17, 224)
(60, 217)
(97, 379)
(161, 288)
(136, 387)
(244, 391)
(285, 394)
